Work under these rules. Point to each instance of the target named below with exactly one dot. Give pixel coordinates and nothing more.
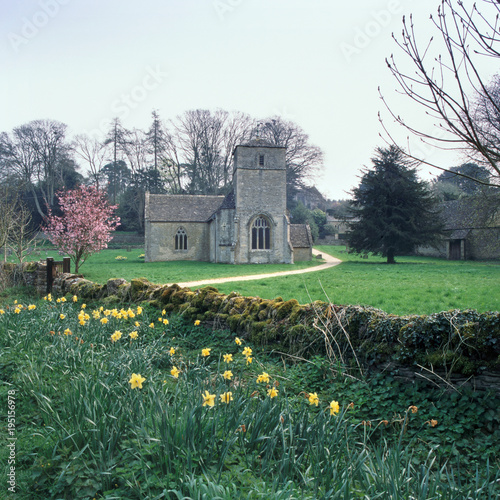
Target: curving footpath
(329, 262)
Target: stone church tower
(261, 224)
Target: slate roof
(300, 236)
(464, 214)
(182, 207)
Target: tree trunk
(390, 256)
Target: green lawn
(415, 285)
(104, 265)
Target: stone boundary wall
(455, 348)
(29, 274)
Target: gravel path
(329, 262)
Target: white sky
(316, 62)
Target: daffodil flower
(136, 381)
(334, 407)
(175, 372)
(228, 374)
(205, 352)
(208, 399)
(272, 393)
(228, 358)
(263, 377)
(225, 397)
(313, 398)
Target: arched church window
(261, 234)
(181, 239)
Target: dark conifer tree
(396, 211)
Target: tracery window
(181, 239)
(261, 234)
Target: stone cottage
(248, 226)
(471, 229)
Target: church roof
(182, 207)
(300, 236)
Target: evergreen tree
(396, 211)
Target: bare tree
(39, 154)
(448, 81)
(206, 141)
(93, 153)
(303, 159)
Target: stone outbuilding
(471, 230)
(248, 226)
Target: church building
(248, 226)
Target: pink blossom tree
(85, 225)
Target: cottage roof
(467, 213)
(182, 207)
(300, 236)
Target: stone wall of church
(223, 237)
(160, 238)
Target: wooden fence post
(66, 265)
(50, 274)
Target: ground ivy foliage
(127, 402)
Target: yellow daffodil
(133, 335)
(67, 332)
(137, 324)
(136, 381)
(96, 314)
(2, 311)
(75, 298)
(263, 377)
(104, 321)
(175, 372)
(197, 322)
(163, 312)
(151, 325)
(82, 322)
(247, 352)
(171, 351)
(116, 336)
(62, 316)
(58, 300)
(225, 397)
(165, 321)
(208, 399)
(83, 306)
(249, 359)
(237, 340)
(17, 310)
(130, 313)
(31, 307)
(272, 393)
(334, 407)
(228, 374)
(228, 358)
(313, 398)
(139, 310)
(205, 352)
(63, 299)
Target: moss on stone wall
(464, 342)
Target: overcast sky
(318, 63)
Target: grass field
(415, 285)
